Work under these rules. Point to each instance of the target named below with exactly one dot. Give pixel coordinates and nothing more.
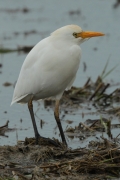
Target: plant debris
(37, 162)
(5, 128)
(7, 84)
(24, 49)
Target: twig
(87, 82)
(6, 125)
(107, 85)
(111, 94)
(94, 123)
(19, 175)
(97, 89)
(87, 127)
(117, 135)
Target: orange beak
(89, 34)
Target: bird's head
(75, 33)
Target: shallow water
(26, 23)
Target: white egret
(50, 68)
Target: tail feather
(19, 100)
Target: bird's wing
(47, 70)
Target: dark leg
(37, 135)
(30, 107)
(56, 114)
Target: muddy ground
(99, 160)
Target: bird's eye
(75, 34)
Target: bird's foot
(43, 140)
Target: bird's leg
(37, 135)
(56, 114)
(30, 107)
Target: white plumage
(49, 68)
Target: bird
(49, 69)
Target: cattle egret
(50, 68)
